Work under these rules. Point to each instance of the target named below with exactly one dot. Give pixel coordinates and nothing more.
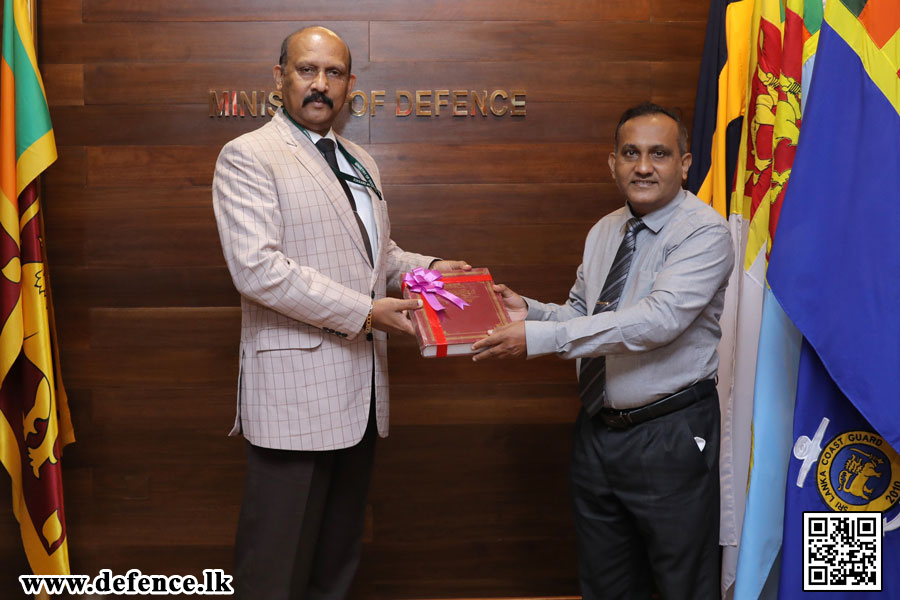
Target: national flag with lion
(34, 416)
(753, 112)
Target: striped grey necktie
(592, 376)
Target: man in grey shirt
(643, 321)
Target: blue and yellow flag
(834, 267)
(34, 416)
(720, 105)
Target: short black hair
(649, 108)
(282, 58)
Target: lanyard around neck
(367, 180)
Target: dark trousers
(646, 505)
(302, 518)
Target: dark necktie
(592, 375)
(326, 147)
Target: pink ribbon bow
(428, 283)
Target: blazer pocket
(288, 338)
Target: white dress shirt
(360, 192)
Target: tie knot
(325, 146)
(634, 225)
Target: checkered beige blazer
(296, 255)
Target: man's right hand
(513, 303)
(389, 314)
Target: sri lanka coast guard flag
(834, 269)
(34, 418)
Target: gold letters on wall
(243, 104)
(424, 103)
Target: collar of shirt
(343, 164)
(295, 127)
(656, 220)
(315, 137)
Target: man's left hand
(451, 265)
(504, 342)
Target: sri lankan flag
(753, 34)
(834, 266)
(34, 419)
(778, 349)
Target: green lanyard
(366, 182)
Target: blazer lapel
(312, 160)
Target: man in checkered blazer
(306, 236)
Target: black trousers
(646, 505)
(302, 519)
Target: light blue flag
(773, 415)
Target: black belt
(622, 419)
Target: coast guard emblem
(858, 471)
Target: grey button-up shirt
(663, 336)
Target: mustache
(318, 97)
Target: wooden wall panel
(485, 246)
(498, 204)
(150, 166)
(154, 41)
(68, 168)
(573, 80)
(172, 125)
(544, 125)
(470, 492)
(666, 10)
(155, 125)
(140, 285)
(64, 84)
(365, 10)
(524, 41)
(460, 372)
(675, 83)
(517, 402)
(457, 522)
(584, 80)
(60, 12)
(490, 163)
(171, 227)
(166, 83)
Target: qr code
(842, 551)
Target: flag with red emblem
(34, 416)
